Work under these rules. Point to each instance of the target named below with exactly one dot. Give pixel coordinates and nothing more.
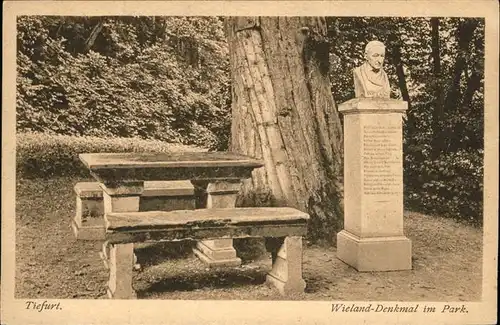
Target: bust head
(375, 54)
(370, 80)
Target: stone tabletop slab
(167, 160)
(120, 168)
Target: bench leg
(286, 274)
(120, 272)
(104, 254)
(218, 252)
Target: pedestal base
(217, 256)
(374, 254)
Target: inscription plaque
(381, 160)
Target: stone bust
(370, 80)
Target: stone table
(216, 175)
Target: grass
(51, 263)
(42, 155)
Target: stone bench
(88, 223)
(282, 229)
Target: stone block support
(120, 272)
(373, 238)
(122, 198)
(219, 252)
(88, 222)
(286, 273)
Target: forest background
(102, 83)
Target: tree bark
(401, 74)
(89, 42)
(465, 33)
(439, 99)
(283, 112)
(449, 95)
(473, 84)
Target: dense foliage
(148, 77)
(166, 78)
(42, 155)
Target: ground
(51, 263)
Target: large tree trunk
(403, 86)
(398, 63)
(473, 84)
(465, 34)
(438, 112)
(284, 113)
(454, 94)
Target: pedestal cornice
(373, 105)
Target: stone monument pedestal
(373, 239)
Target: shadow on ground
(216, 280)
(156, 253)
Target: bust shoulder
(357, 71)
(359, 88)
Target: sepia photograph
(248, 166)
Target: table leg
(120, 258)
(219, 252)
(286, 274)
(122, 198)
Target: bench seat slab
(138, 221)
(127, 227)
(175, 234)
